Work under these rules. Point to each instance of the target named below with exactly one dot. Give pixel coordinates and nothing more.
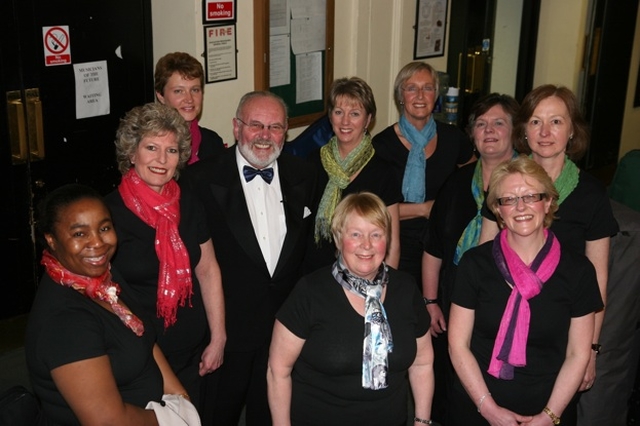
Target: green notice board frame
(299, 114)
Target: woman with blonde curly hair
(164, 248)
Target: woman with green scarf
(348, 164)
(550, 127)
(454, 225)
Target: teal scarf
(471, 234)
(413, 181)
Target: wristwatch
(596, 348)
(429, 301)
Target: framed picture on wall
(430, 28)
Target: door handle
(17, 128)
(34, 124)
(476, 62)
(26, 132)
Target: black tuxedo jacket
(252, 296)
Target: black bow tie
(249, 173)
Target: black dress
(376, 177)
(571, 292)
(327, 377)
(65, 326)
(454, 147)
(136, 259)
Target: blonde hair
(366, 205)
(528, 168)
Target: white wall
(177, 27)
(560, 42)
(506, 39)
(374, 39)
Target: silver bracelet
(419, 420)
(482, 400)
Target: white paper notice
(278, 17)
(308, 77)
(307, 8)
(308, 34)
(92, 89)
(280, 61)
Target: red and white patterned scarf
(98, 288)
(162, 212)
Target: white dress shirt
(266, 209)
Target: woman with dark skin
(91, 358)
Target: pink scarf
(99, 288)
(196, 139)
(510, 347)
(162, 212)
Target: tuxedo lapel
(293, 194)
(229, 195)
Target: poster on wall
(220, 53)
(430, 28)
(218, 11)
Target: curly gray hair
(152, 119)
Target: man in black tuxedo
(258, 207)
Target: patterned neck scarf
(162, 212)
(568, 179)
(196, 140)
(471, 234)
(339, 171)
(510, 347)
(413, 181)
(98, 288)
(378, 342)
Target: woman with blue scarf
(423, 154)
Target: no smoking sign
(57, 45)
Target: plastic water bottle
(451, 105)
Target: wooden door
(44, 142)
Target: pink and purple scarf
(510, 347)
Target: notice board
(293, 56)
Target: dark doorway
(470, 49)
(43, 143)
(470, 53)
(606, 67)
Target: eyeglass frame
(257, 126)
(423, 89)
(532, 198)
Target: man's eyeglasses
(256, 126)
(413, 90)
(527, 199)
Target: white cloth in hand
(174, 410)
